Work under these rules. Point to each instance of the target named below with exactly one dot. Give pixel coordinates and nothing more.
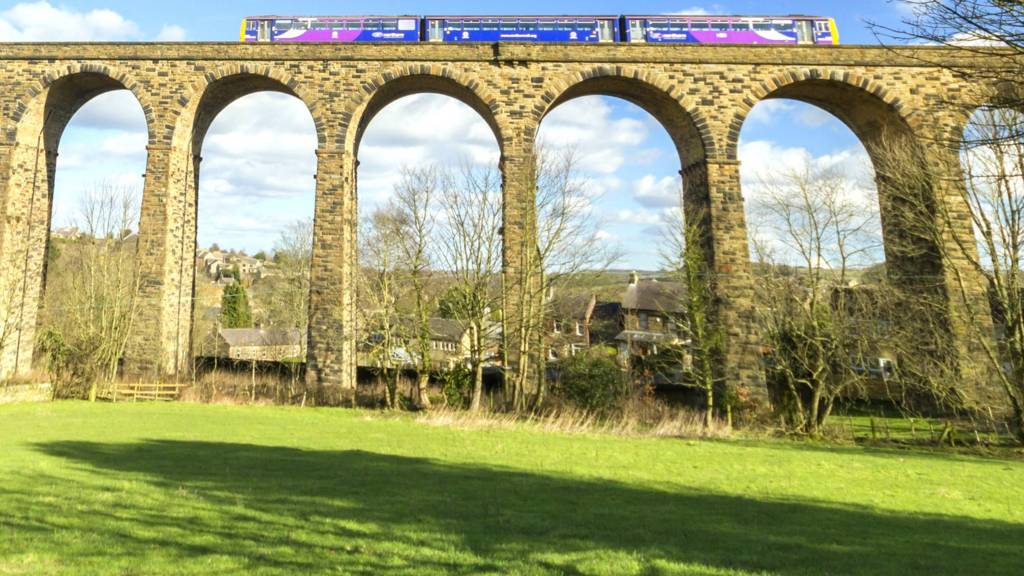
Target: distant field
(186, 489)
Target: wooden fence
(140, 391)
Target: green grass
(185, 489)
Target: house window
(579, 329)
(552, 355)
(556, 327)
(645, 321)
(576, 349)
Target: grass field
(185, 489)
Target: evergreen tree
(234, 307)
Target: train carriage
(730, 29)
(522, 29)
(658, 29)
(331, 29)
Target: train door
(264, 32)
(604, 31)
(804, 32)
(636, 31)
(434, 31)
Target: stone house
(653, 314)
(257, 344)
(450, 343)
(567, 326)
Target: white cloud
(171, 33)
(603, 142)
(769, 112)
(653, 192)
(761, 160)
(41, 21)
(640, 216)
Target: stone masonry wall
(701, 94)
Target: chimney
(634, 278)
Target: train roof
(522, 16)
(334, 17)
(724, 16)
(666, 16)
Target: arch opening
(429, 238)
(616, 151)
(70, 252)
(837, 191)
(690, 142)
(246, 252)
(411, 85)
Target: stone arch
(57, 95)
(868, 108)
(415, 79)
(655, 94)
(40, 118)
(881, 121)
(217, 90)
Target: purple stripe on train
(731, 37)
(339, 36)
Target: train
(680, 29)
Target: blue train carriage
(522, 28)
(285, 29)
(731, 29)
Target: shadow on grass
(278, 509)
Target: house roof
(260, 337)
(575, 307)
(654, 296)
(445, 329)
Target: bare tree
(288, 299)
(977, 232)
(567, 243)
(413, 205)
(991, 29)
(380, 257)
(817, 234)
(92, 290)
(470, 250)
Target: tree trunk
(423, 390)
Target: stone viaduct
(700, 94)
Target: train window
(763, 26)
(453, 24)
(586, 24)
(320, 25)
(509, 25)
(527, 24)
(548, 25)
(698, 24)
(282, 24)
(389, 24)
(823, 26)
(566, 25)
(660, 26)
(721, 26)
(371, 25)
(489, 25)
(471, 25)
(252, 24)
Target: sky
(258, 158)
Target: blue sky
(257, 173)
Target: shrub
(457, 386)
(592, 381)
